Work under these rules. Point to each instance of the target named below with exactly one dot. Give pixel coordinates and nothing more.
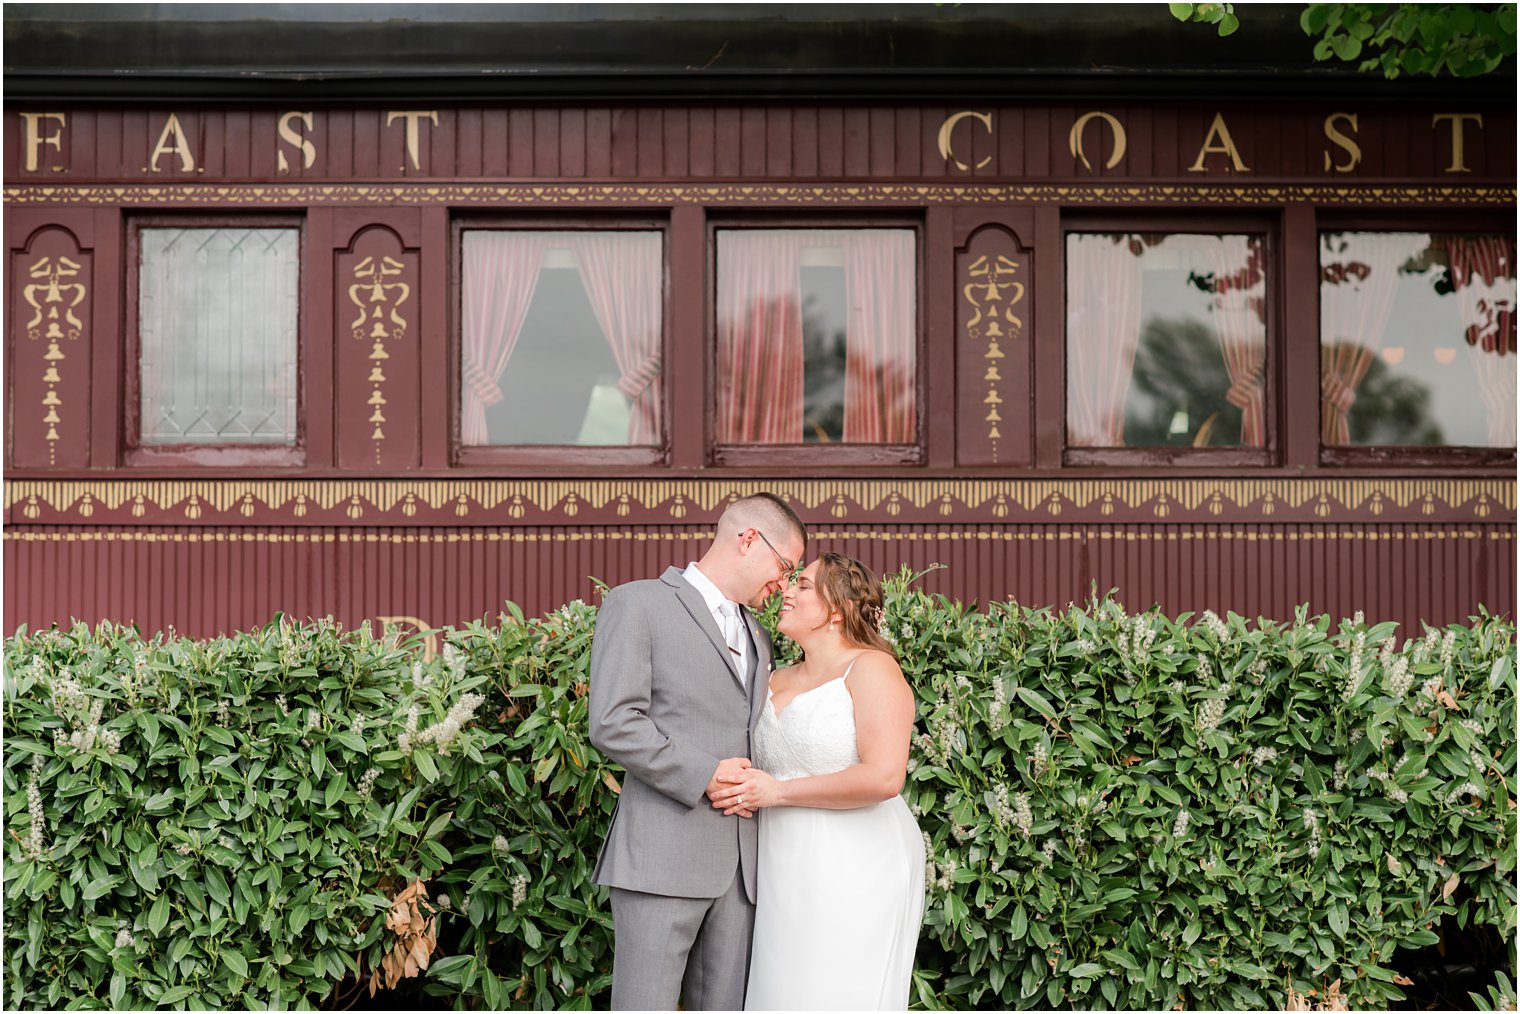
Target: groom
(678, 675)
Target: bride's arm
(883, 728)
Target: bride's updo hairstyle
(849, 588)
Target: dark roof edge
(972, 86)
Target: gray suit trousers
(659, 936)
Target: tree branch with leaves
(1465, 40)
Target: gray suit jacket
(667, 705)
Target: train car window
(561, 338)
(218, 315)
(1412, 325)
(816, 336)
(1166, 340)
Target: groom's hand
(730, 770)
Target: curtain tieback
(1245, 392)
(1338, 394)
(486, 390)
(637, 380)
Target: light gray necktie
(733, 634)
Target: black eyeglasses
(789, 568)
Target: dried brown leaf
(1450, 702)
(1403, 980)
(1394, 866)
(1451, 885)
(611, 783)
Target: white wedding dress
(841, 892)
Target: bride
(841, 864)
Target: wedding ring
(741, 800)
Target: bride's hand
(748, 791)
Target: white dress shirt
(715, 601)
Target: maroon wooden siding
(777, 143)
(360, 526)
(209, 580)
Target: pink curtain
(623, 272)
(1358, 279)
(760, 358)
(1102, 333)
(500, 274)
(879, 402)
(1483, 281)
(1241, 325)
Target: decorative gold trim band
(690, 501)
(604, 535)
(809, 194)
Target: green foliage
(224, 822)
(1465, 39)
(1501, 996)
(1222, 15)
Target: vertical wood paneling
(751, 141)
(803, 140)
(439, 145)
(778, 143)
(15, 156)
(236, 141)
(651, 144)
(467, 143)
(677, 143)
(1164, 135)
(339, 149)
(727, 142)
(520, 143)
(703, 133)
(362, 573)
(830, 141)
(906, 130)
(1037, 131)
(546, 143)
(883, 125)
(857, 142)
(1009, 127)
(495, 143)
(379, 151)
(572, 143)
(599, 143)
(262, 161)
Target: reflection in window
(1411, 324)
(1166, 340)
(217, 317)
(561, 338)
(816, 336)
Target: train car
(398, 313)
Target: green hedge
(1121, 810)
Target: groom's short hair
(766, 512)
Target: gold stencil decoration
(53, 298)
(992, 294)
(652, 501)
(378, 294)
(750, 194)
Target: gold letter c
(949, 125)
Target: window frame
(229, 455)
(560, 458)
(1400, 455)
(1269, 228)
(810, 454)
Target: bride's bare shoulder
(874, 665)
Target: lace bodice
(813, 735)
